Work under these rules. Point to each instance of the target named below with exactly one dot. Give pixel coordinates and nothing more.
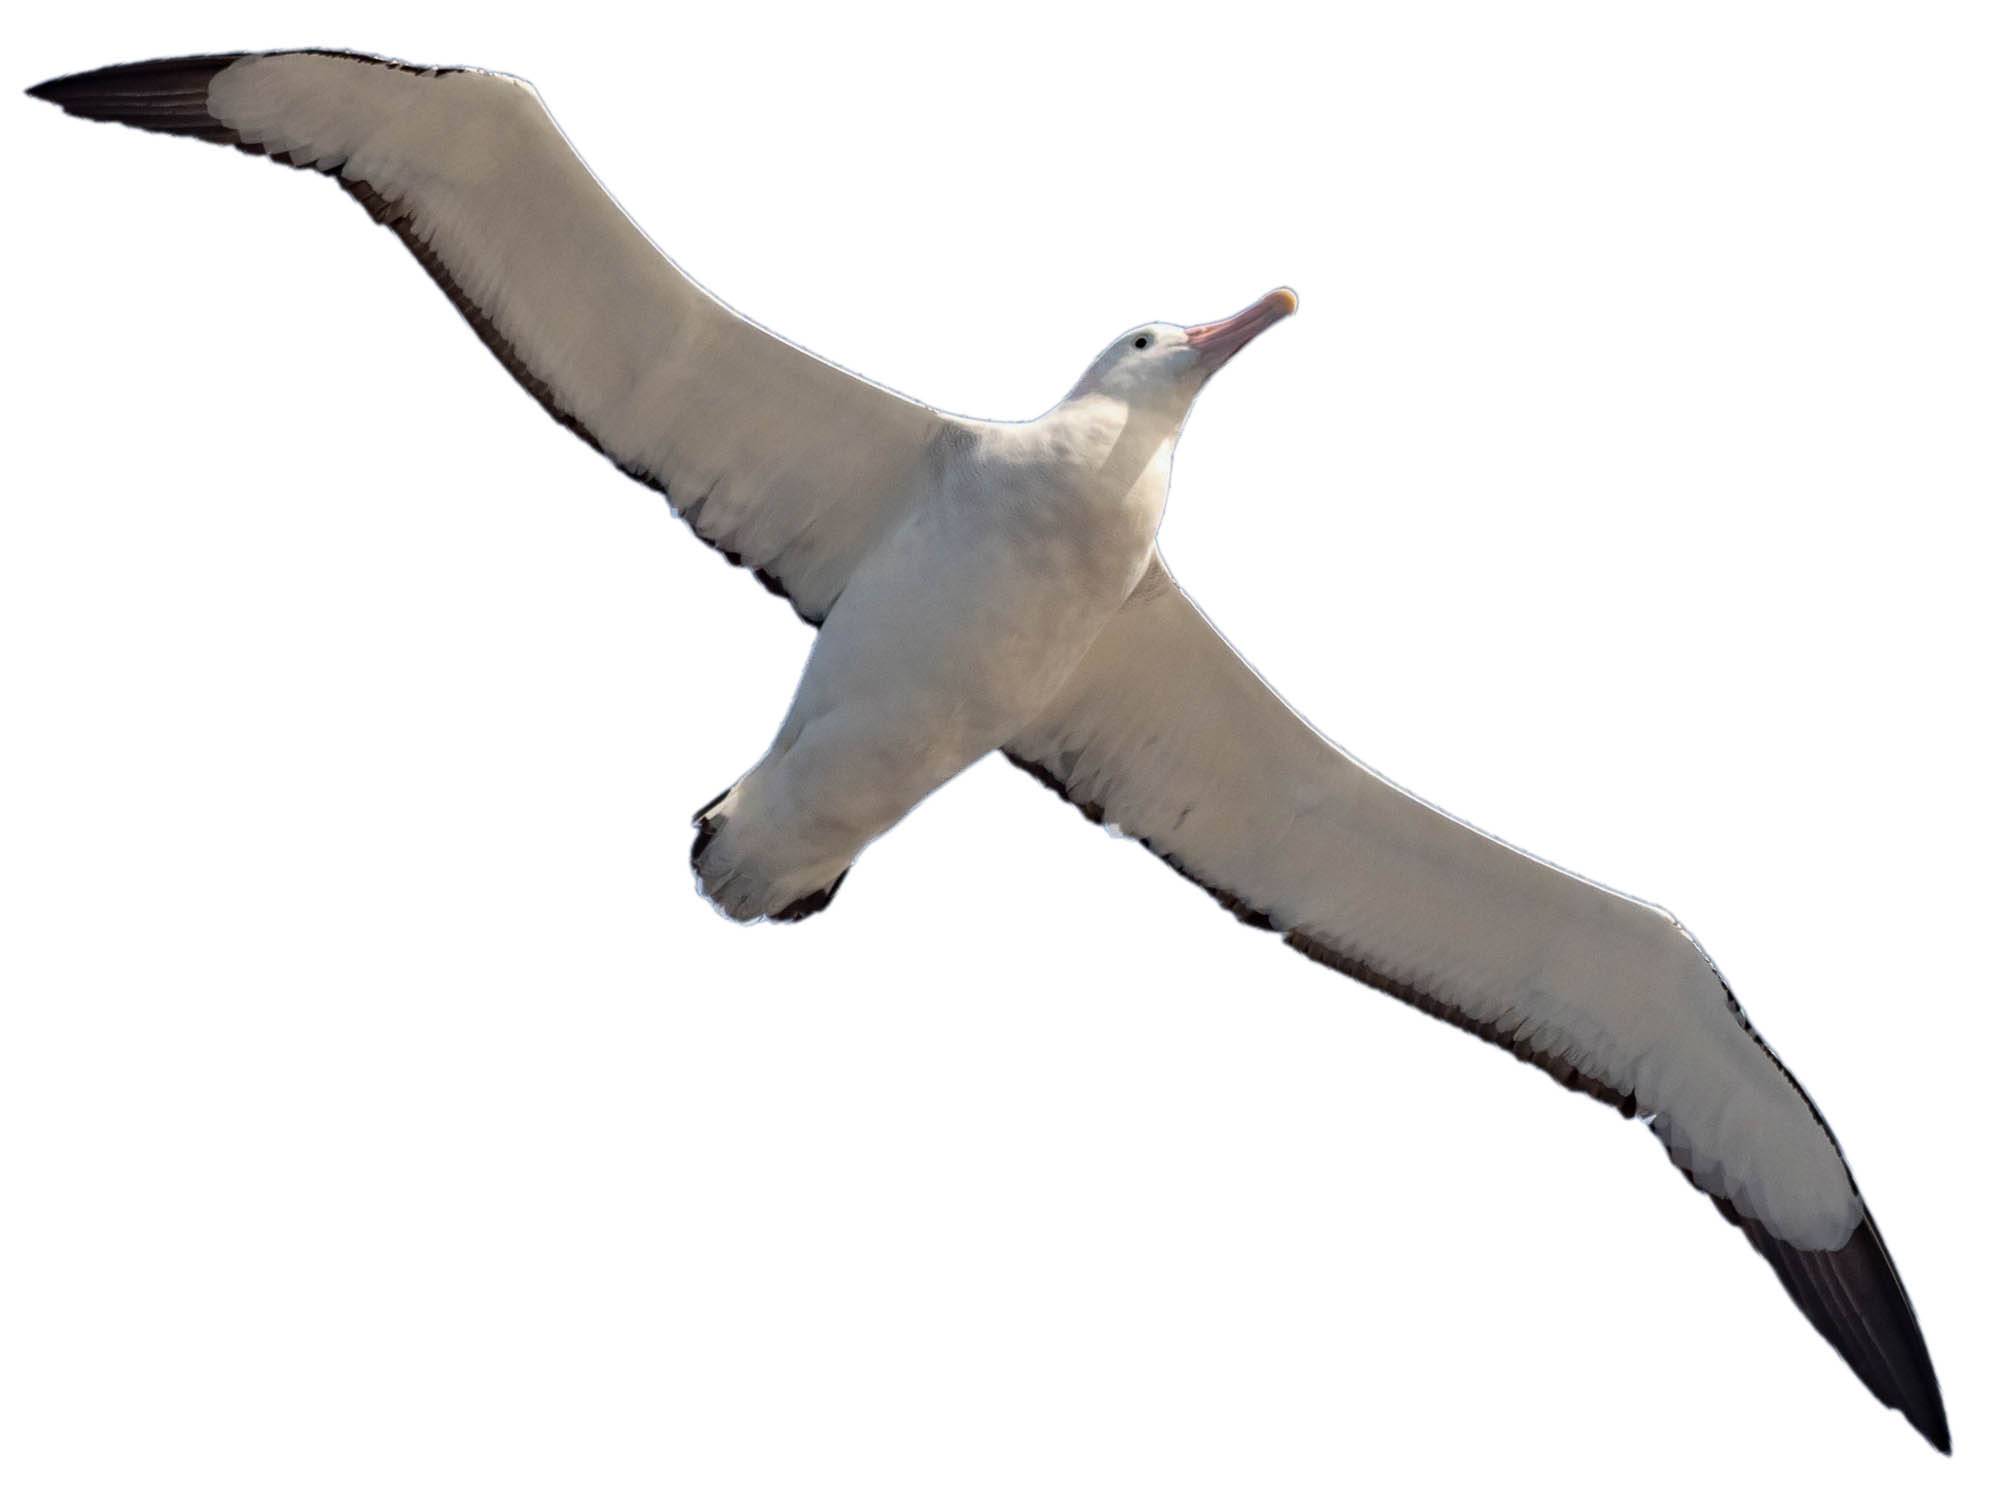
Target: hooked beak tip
(1220, 341)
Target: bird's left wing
(787, 464)
(1167, 734)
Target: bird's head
(1160, 367)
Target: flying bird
(982, 585)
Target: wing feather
(1166, 733)
(787, 464)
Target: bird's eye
(1142, 341)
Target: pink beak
(1219, 341)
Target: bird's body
(982, 585)
(952, 636)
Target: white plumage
(988, 586)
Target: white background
(380, 1110)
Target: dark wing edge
(1852, 1295)
(170, 96)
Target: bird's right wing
(787, 464)
(1165, 732)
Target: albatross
(982, 586)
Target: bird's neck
(1115, 455)
(1118, 432)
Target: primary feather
(984, 585)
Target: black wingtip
(168, 94)
(1854, 1298)
(1864, 1275)
(1936, 1435)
